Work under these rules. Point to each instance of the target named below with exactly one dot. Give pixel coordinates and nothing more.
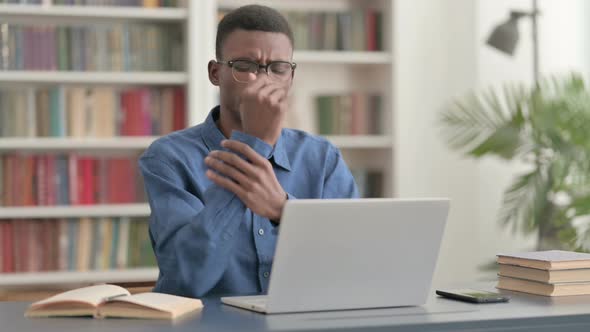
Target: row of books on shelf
(100, 47)
(369, 182)
(122, 3)
(548, 273)
(74, 244)
(47, 180)
(351, 114)
(353, 30)
(91, 112)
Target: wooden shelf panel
(360, 142)
(97, 13)
(342, 57)
(111, 78)
(295, 5)
(138, 143)
(103, 210)
(75, 143)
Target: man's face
(258, 46)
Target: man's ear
(213, 70)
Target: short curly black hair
(253, 18)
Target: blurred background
(417, 95)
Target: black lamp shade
(505, 36)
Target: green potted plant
(547, 129)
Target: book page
(550, 255)
(162, 302)
(92, 295)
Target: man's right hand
(262, 108)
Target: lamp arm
(517, 14)
(535, 35)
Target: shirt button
(261, 231)
(266, 274)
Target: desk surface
(523, 313)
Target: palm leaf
(522, 202)
(547, 128)
(581, 205)
(486, 125)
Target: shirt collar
(212, 137)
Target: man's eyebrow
(245, 58)
(253, 59)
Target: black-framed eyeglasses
(245, 71)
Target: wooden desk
(522, 313)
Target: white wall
(435, 59)
(564, 27)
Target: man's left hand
(252, 180)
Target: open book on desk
(113, 301)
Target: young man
(217, 190)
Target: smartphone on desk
(473, 295)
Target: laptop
(338, 254)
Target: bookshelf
(319, 72)
(95, 215)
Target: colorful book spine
(92, 48)
(35, 180)
(369, 182)
(357, 29)
(74, 245)
(91, 112)
(351, 114)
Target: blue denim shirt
(205, 239)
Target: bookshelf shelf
(104, 210)
(111, 78)
(361, 142)
(49, 143)
(99, 13)
(139, 143)
(299, 5)
(342, 57)
(78, 277)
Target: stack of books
(548, 273)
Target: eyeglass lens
(246, 71)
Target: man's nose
(263, 68)
(262, 77)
